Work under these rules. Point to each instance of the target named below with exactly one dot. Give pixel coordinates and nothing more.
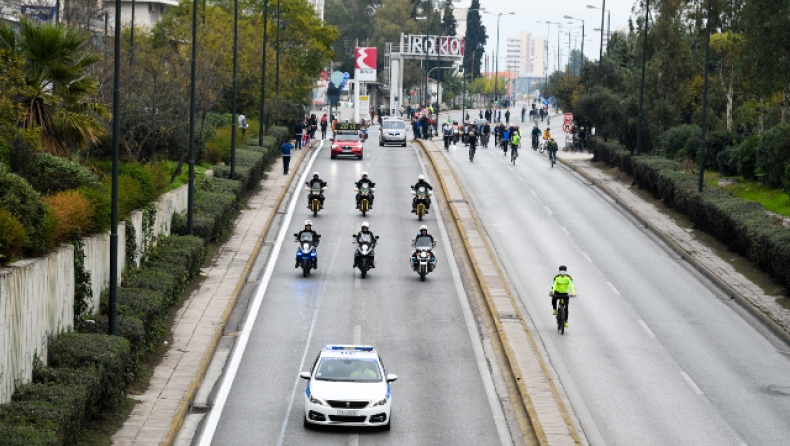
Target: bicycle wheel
(561, 319)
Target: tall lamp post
(193, 70)
(582, 61)
(277, 77)
(263, 73)
(705, 102)
(116, 134)
(642, 83)
(600, 50)
(496, 70)
(608, 25)
(234, 123)
(423, 93)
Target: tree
(475, 40)
(393, 18)
(56, 100)
(448, 20)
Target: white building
(147, 13)
(460, 21)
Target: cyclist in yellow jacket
(561, 288)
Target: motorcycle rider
(316, 181)
(562, 284)
(308, 228)
(420, 183)
(365, 182)
(423, 233)
(365, 229)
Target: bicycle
(471, 153)
(535, 143)
(552, 157)
(513, 154)
(562, 312)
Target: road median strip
(550, 420)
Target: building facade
(526, 55)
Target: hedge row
(743, 225)
(89, 370)
(250, 163)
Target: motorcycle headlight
(380, 402)
(306, 247)
(364, 247)
(423, 254)
(318, 401)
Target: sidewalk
(550, 418)
(199, 323)
(702, 257)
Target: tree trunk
(762, 115)
(729, 103)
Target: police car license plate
(350, 413)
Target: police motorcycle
(306, 255)
(423, 260)
(422, 194)
(365, 197)
(364, 256)
(314, 197)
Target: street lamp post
(263, 74)
(193, 70)
(704, 103)
(233, 123)
(642, 83)
(600, 50)
(116, 140)
(277, 74)
(582, 61)
(496, 70)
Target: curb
(183, 408)
(734, 294)
(525, 398)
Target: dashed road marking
(647, 329)
(587, 257)
(548, 210)
(565, 230)
(612, 287)
(691, 383)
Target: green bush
(676, 138)
(213, 215)
(727, 161)
(88, 377)
(21, 200)
(161, 282)
(50, 174)
(280, 133)
(716, 142)
(27, 435)
(250, 165)
(130, 193)
(102, 209)
(747, 157)
(786, 179)
(611, 153)
(187, 249)
(773, 154)
(143, 177)
(110, 354)
(46, 405)
(128, 327)
(13, 237)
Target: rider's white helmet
(423, 227)
(308, 223)
(364, 174)
(315, 174)
(365, 224)
(421, 177)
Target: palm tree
(56, 98)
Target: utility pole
(277, 77)
(705, 102)
(642, 84)
(263, 74)
(600, 59)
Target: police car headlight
(381, 402)
(318, 401)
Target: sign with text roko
(433, 45)
(365, 64)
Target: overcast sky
(529, 12)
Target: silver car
(392, 131)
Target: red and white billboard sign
(568, 117)
(365, 64)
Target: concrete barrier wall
(37, 294)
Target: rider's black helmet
(563, 268)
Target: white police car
(348, 385)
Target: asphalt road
(655, 354)
(418, 328)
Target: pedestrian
(298, 133)
(523, 112)
(243, 123)
(499, 115)
(488, 116)
(313, 125)
(286, 149)
(582, 139)
(425, 125)
(507, 117)
(323, 126)
(415, 127)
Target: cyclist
(546, 135)
(486, 134)
(505, 139)
(560, 288)
(535, 136)
(551, 145)
(515, 141)
(472, 141)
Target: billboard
(365, 64)
(41, 13)
(429, 45)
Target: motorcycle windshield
(423, 242)
(364, 190)
(306, 237)
(365, 238)
(315, 190)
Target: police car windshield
(348, 370)
(342, 137)
(394, 124)
(423, 241)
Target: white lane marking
(548, 210)
(587, 257)
(691, 383)
(533, 192)
(353, 440)
(565, 230)
(357, 336)
(612, 287)
(477, 346)
(238, 351)
(647, 329)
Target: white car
(349, 386)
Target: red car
(347, 143)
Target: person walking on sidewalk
(243, 123)
(324, 122)
(286, 149)
(507, 117)
(298, 133)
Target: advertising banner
(365, 64)
(429, 45)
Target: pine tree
(475, 38)
(448, 21)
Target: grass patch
(184, 177)
(772, 199)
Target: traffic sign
(568, 117)
(567, 127)
(337, 77)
